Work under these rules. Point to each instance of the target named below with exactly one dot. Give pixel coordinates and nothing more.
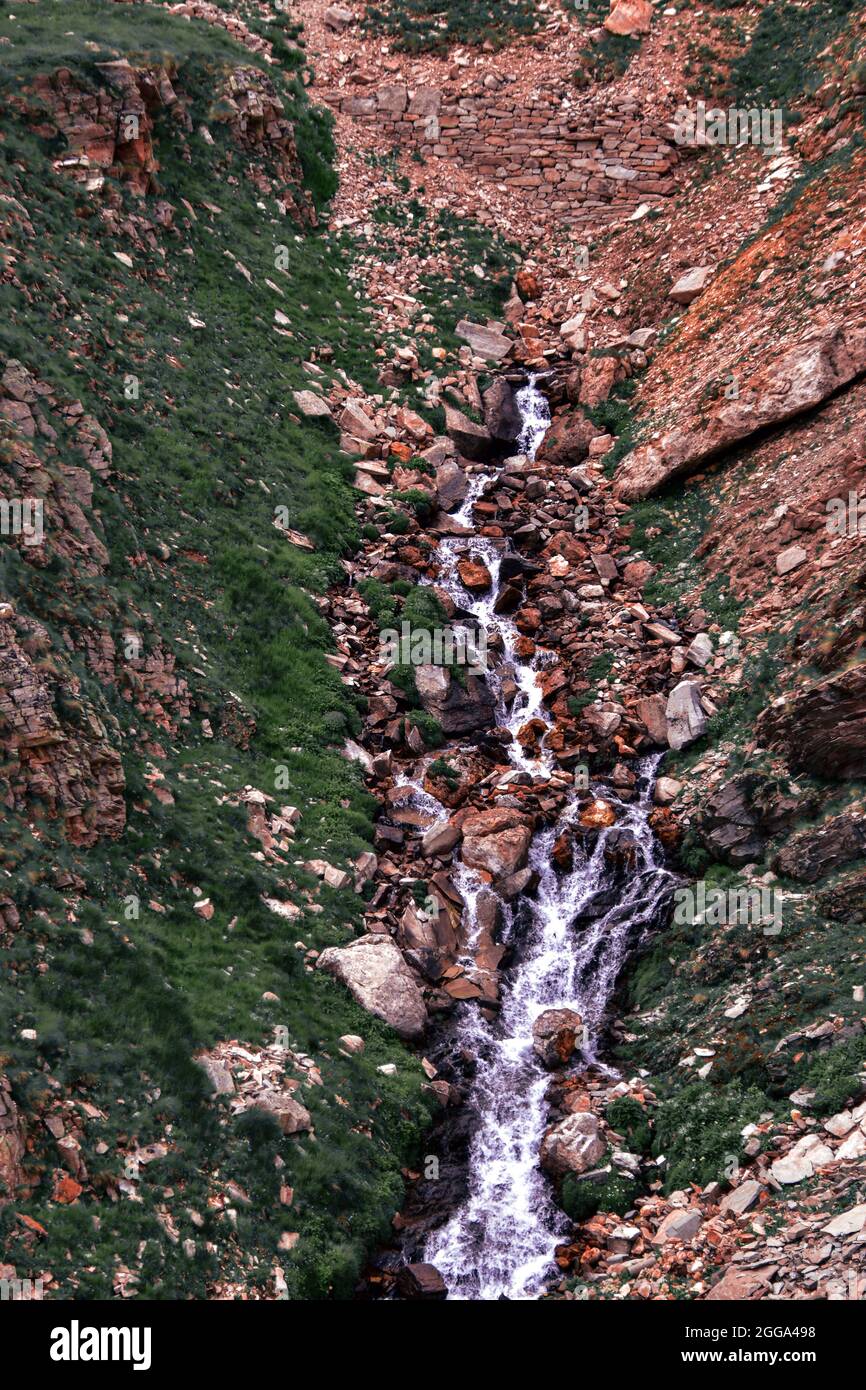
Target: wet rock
(574, 1145)
(501, 415)
(421, 1281)
(474, 576)
(555, 1035)
(373, 970)
(496, 841)
(597, 815)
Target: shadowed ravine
(568, 944)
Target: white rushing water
(500, 1241)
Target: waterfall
(569, 946)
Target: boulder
(691, 284)
(651, 713)
(459, 706)
(452, 485)
(554, 1036)
(501, 415)
(629, 17)
(376, 975)
(474, 575)
(496, 841)
(574, 1145)
(292, 1117)
(683, 1223)
(473, 441)
(421, 1281)
(484, 342)
(800, 1162)
(685, 715)
(311, 405)
(338, 18)
(440, 839)
(568, 439)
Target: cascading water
(569, 940)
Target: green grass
(780, 66)
(435, 25)
(202, 459)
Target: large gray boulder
(376, 975)
(685, 714)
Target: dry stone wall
(588, 163)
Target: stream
(569, 941)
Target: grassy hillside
(203, 456)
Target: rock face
(554, 1036)
(574, 1145)
(496, 841)
(822, 730)
(811, 854)
(779, 388)
(375, 973)
(729, 826)
(568, 439)
(12, 1145)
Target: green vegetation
(780, 63)
(435, 25)
(120, 980)
(699, 1132)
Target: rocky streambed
(541, 873)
